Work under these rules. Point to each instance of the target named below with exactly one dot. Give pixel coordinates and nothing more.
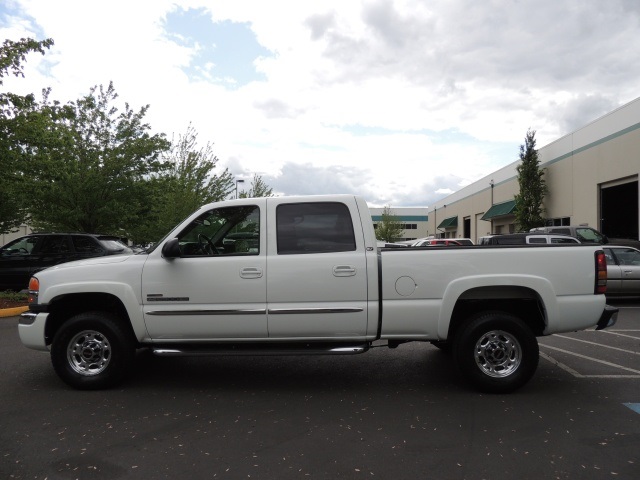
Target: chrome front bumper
(31, 330)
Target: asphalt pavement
(389, 414)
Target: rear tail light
(601, 273)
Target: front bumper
(31, 330)
(608, 318)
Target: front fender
(122, 291)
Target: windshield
(589, 235)
(114, 245)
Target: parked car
(464, 241)
(623, 270)
(447, 242)
(22, 257)
(526, 239)
(587, 235)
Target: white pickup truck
(304, 275)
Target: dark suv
(24, 256)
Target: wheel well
(64, 307)
(521, 302)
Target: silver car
(623, 270)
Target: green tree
(189, 183)
(91, 172)
(389, 229)
(529, 209)
(17, 123)
(258, 189)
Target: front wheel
(92, 351)
(497, 352)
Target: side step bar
(261, 349)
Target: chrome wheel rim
(498, 353)
(89, 353)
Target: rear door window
(54, 244)
(314, 228)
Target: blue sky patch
(226, 50)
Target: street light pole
(237, 182)
(491, 219)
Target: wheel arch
(519, 301)
(64, 307)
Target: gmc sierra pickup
(304, 275)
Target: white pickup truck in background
(303, 275)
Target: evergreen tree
(389, 229)
(529, 209)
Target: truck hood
(106, 260)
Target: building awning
(500, 210)
(449, 222)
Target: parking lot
(401, 414)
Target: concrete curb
(12, 312)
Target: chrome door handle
(251, 272)
(344, 271)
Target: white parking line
(576, 374)
(561, 365)
(621, 334)
(598, 344)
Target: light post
(237, 182)
(491, 219)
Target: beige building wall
(603, 153)
(410, 216)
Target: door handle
(251, 272)
(344, 271)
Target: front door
(216, 288)
(625, 278)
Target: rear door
(317, 275)
(614, 273)
(628, 272)
(52, 250)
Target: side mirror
(171, 249)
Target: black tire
(496, 352)
(92, 351)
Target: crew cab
(304, 275)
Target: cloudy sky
(400, 101)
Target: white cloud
(401, 101)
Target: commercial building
(414, 221)
(591, 175)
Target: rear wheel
(92, 351)
(497, 352)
